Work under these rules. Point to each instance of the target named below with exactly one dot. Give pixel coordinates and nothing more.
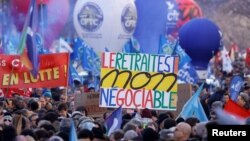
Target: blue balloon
(200, 38)
(151, 24)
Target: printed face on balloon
(129, 18)
(90, 17)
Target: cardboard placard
(91, 102)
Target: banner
(53, 72)
(91, 102)
(139, 81)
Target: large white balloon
(105, 23)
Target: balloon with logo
(56, 16)
(105, 24)
(151, 24)
(179, 12)
(201, 39)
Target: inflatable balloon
(200, 38)
(151, 24)
(105, 24)
(179, 12)
(57, 15)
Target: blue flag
(31, 41)
(173, 48)
(91, 61)
(188, 74)
(78, 48)
(40, 44)
(28, 38)
(193, 107)
(166, 46)
(95, 62)
(235, 86)
(73, 75)
(132, 46)
(73, 135)
(183, 56)
(114, 121)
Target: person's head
(49, 128)
(192, 121)
(243, 100)
(129, 126)
(150, 135)
(42, 102)
(9, 133)
(62, 90)
(7, 119)
(34, 106)
(48, 106)
(55, 138)
(91, 89)
(82, 110)
(138, 123)
(116, 135)
(63, 98)
(130, 134)
(19, 103)
(51, 116)
(154, 115)
(39, 91)
(166, 135)
(228, 80)
(182, 131)
(161, 118)
(98, 134)
(85, 135)
(33, 120)
(200, 130)
(63, 109)
(146, 113)
(225, 98)
(215, 105)
(9, 104)
(28, 132)
(65, 124)
(41, 134)
(47, 95)
(152, 125)
(168, 123)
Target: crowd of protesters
(47, 114)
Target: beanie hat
(47, 93)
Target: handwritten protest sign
(139, 81)
(91, 102)
(52, 73)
